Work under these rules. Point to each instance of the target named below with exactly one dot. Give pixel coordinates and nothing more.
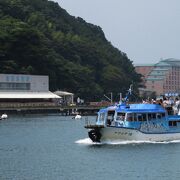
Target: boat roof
(145, 108)
(136, 108)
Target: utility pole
(120, 97)
(111, 97)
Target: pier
(35, 108)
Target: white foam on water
(140, 142)
(84, 141)
(88, 141)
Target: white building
(26, 89)
(21, 82)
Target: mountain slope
(39, 37)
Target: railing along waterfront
(18, 105)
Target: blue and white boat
(136, 122)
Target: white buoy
(4, 116)
(78, 116)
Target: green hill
(39, 37)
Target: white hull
(121, 134)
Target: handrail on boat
(93, 126)
(88, 124)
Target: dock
(28, 108)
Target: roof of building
(63, 93)
(144, 65)
(169, 62)
(155, 79)
(28, 95)
(164, 62)
(24, 75)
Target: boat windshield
(101, 117)
(120, 116)
(110, 117)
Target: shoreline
(62, 110)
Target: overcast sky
(146, 30)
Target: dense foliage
(39, 37)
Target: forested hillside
(39, 37)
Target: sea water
(53, 147)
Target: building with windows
(26, 90)
(21, 82)
(162, 77)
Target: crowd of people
(172, 105)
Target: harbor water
(53, 147)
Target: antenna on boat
(129, 93)
(111, 98)
(130, 89)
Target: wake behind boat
(136, 122)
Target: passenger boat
(136, 122)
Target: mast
(128, 94)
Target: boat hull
(123, 134)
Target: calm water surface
(57, 148)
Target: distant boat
(139, 122)
(3, 116)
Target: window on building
(14, 86)
(7, 78)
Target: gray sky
(146, 30)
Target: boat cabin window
(110, 117)
(130, 117)
(121, 116)
(172, 123)
(135, 117)
(144, 117)
(151, 116)
(163, 114)
(141, 117)
(158, 115)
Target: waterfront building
(67, 97)
(163, 78)
(26, 90)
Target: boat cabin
(135, 113)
